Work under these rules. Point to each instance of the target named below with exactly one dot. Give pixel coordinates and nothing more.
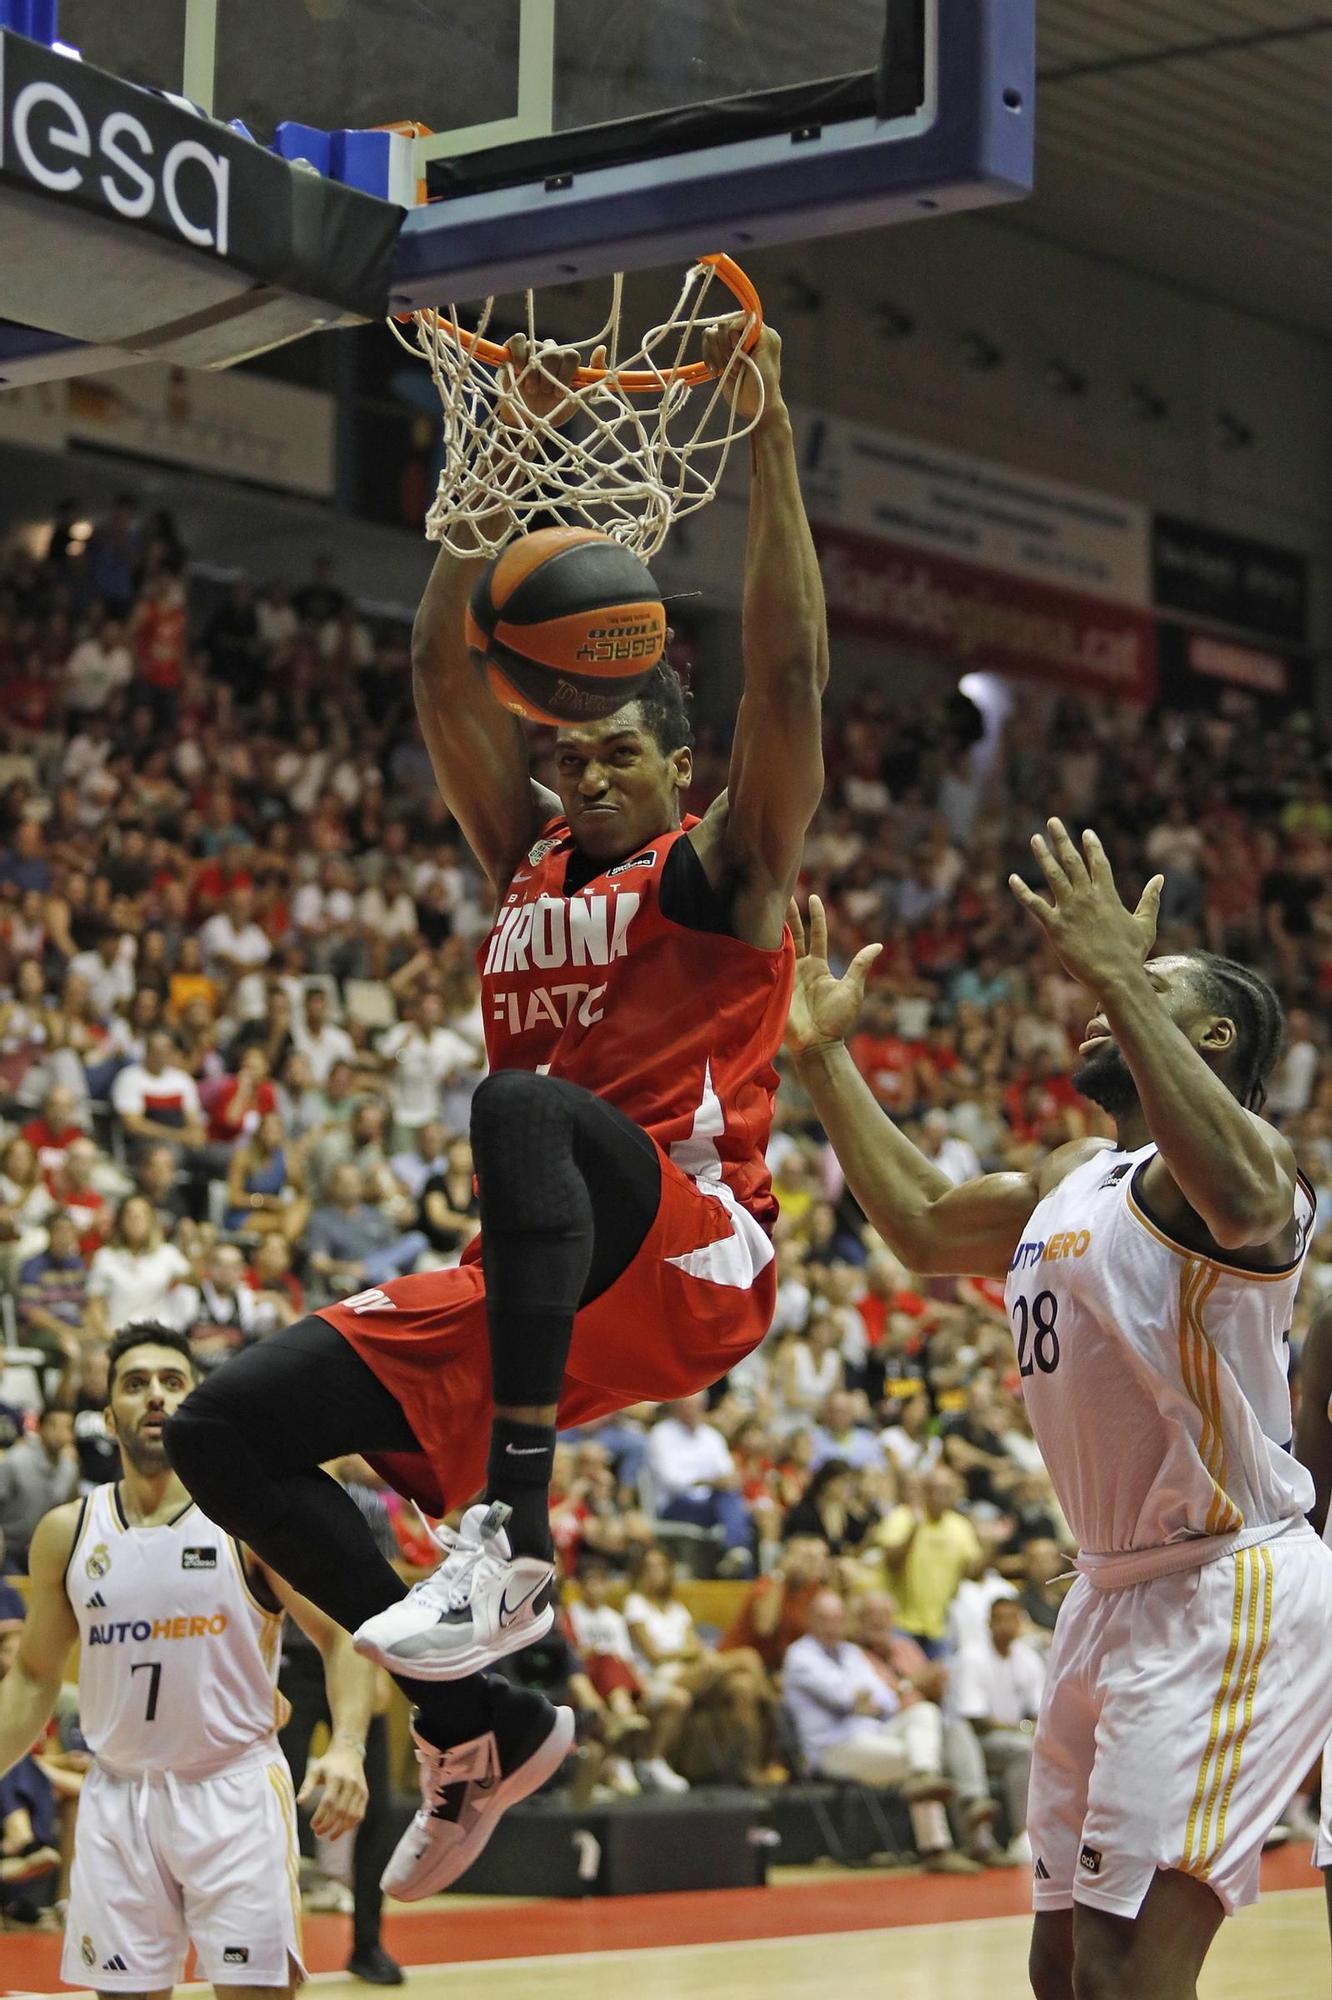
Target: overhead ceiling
(1192, 138)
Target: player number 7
(153, 1669)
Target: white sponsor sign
(239, 426)
(880, 484)
(897, 489)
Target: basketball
(569, 624)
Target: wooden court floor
(858, 1936)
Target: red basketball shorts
(695, 1300)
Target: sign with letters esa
(67, 129)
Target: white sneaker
(464, 1790)
(661, 1777)
(481, 1603)
(1018, 1850)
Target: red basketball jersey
(676, 1027)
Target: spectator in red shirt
(889, 1064)
(157, 630)
(775, 1611)
(53, 1131)
(237, 1103)
(270, 1274)
(72, 1186)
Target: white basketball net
(625, 462)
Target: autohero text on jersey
(117, 1632)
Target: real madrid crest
(88, 1950)
(98, 1563)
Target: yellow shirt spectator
(927, 1555)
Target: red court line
(838, 1902)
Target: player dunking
(1150, 1283)
(635, 990)
(187, 1824)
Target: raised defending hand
(750, 393)
(1098, 939)
(824, 1008)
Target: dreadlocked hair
(1229, 988)
(664, 705)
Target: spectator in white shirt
(388, 919)
(910, 1443)
(323, 915)
(275, 617)
(996, 1685)
(97, 668)
(602, 1638)
(956, 1160)
(849, 1723)
(132, 1276)
(321, 1041)
(107, 971)
(1290, 1088)
(221, 1314)
(791, 1311)
(88, 751)
(156, 1101)
(446, 870)
(420, 1057)
(694, 1479)
(233, 943)
(670, 1654)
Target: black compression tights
(569, 1188)
(249, 1443)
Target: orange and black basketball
(569, 625)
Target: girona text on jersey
(675, 1025)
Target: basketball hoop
(629, 449)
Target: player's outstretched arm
(478, 750)
(1235, 1172)
(1313, 1428)
(28, 1691)
(350, 1683)
(776, 771)
(933, 1226)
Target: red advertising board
(986, 619)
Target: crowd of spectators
(240, 1028)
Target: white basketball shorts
(161, 1862)
(1179, 1717)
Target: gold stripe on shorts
(279, 1777)
(1218, 1707)
(1254, 1578)
(1264, 1576)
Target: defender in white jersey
(187, 1819)
(1150, 1284)
(1313, 1447)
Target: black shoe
(375, 1967)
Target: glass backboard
(458, 65)
(568, 138)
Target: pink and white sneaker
(464, 1790)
